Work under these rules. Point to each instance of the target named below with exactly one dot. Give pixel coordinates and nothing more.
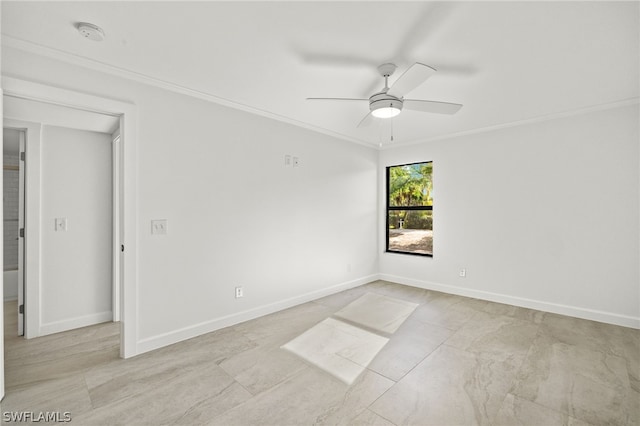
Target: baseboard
(10, 298)
(73, 323)
(556, 308)
(159, 341)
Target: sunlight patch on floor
(345, 350)
(377, 312)
(337, 348)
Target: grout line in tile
(363, 327)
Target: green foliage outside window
(410, 209)
(410, 185)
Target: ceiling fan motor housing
(382, 100)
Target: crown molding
(539, 119)
(59, 55)
(81, 61)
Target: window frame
(390, 208)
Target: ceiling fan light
(383, 106)
(386, 112)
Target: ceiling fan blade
(413, 77)
(366, 121)
(337, 99)
(431, 106)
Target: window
(410, 209)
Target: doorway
(74, 214)
(125, 115)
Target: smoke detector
(90, 31)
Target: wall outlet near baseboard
(239, 292)
(463, 273)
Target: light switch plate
(159, 227)
(61, 224)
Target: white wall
(236, 216)
(1, 305)
(76, 264)
(542, 215)
(511, 206)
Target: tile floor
(446, 360)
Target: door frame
(116, 225)
(32, 217)
(128, 177)
(21, 204)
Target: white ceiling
(505, 61)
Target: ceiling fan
(390, 101)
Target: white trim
(116, 228)
(73, 323)
(128, 119)
(84, 62)
(81, 61)
(32, 272)
(556, 308)
(189, 332)
(21, 224)
(539, 119)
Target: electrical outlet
(159, 227)
(463, 272)
(239, 292)
(61, 224)
(287, 160)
